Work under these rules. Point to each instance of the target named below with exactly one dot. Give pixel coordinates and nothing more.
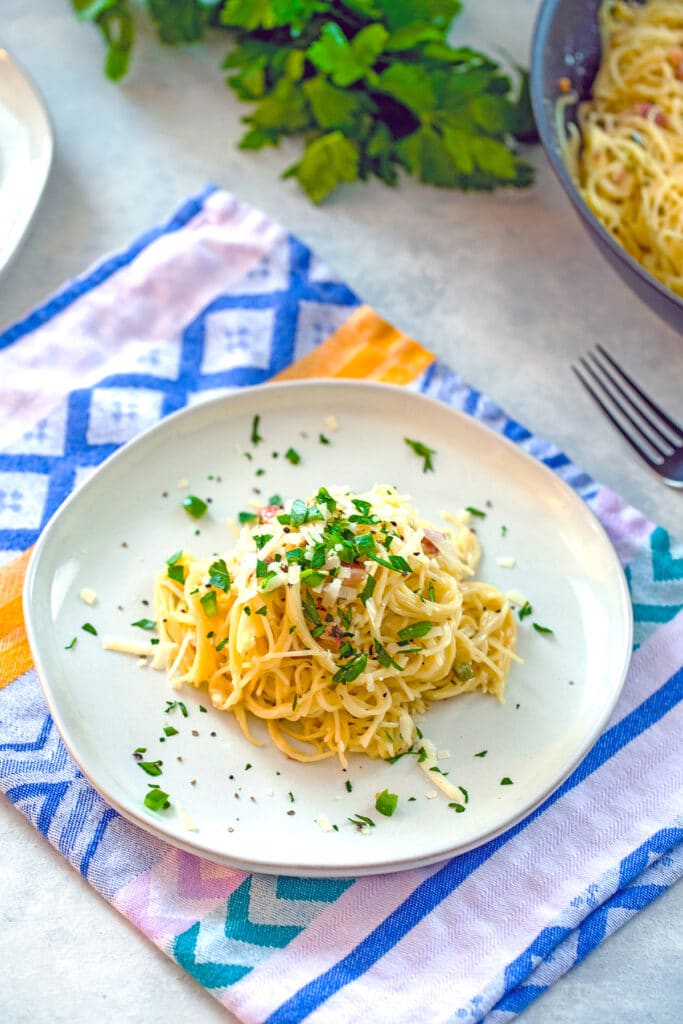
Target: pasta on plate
(336, 620)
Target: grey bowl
(566, 43)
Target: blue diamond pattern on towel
(316, 321)
(22, 499)
(119, 414)
(161, 360)
(47, 437)
(270, 274)
(237, 337)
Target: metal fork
(647, 428)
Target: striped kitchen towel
(220, 297)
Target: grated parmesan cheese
(506, 561)
(188, 823)
(88, 596)
(324, 822)
(122, 646)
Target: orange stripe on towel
(15, 656)
(365, 347)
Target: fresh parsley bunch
(373, 86)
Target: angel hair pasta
(627, 154)
(336, 620)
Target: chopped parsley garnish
(255, 437)
(464, 671)
(384, 658)
(360, 820)
(170, 730)
(171, 704)
(299, 512)
(246, 517)
(345, 616)
(424, 453)
(367, 591)
(349, 786)
(323, 497)
(417, 629)
(323, 439)
(89, 628)
(176, 572)
(261, 539)
(151, 767)
(209, 603)
(482, 753)
(365, 544)
(293, 456)
(174, 557)
(70, 646)
(261, 569)
(525, 610)
(312, 578)
(145, 624)
(347, 673)
(363, 507)
(431, 596)
(386, 803)
(195, 506)
(156, 799)
(262, 610)
(310, 609)
(458, 808)
(503, 531)
(399, 564)
(267, 578)
(275, 499)
(538, 628)
(475, 511)
(219, 576)
(506, 781)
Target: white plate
(26, 147)
(116, 532)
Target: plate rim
(46, 138)
(195, 846)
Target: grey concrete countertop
(508, 290)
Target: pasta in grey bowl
(566, 55)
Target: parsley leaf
(424, 453)
(219, 576)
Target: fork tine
(615, 422)
(669, 423)
(665, 446)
